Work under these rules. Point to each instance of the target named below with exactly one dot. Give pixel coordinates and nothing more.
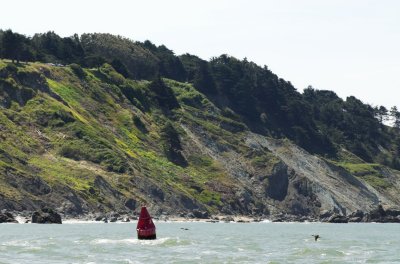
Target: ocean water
(201, 243)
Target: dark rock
(392, 219)
(99, 218)
(357, 216)
(36, 186)
(392, 212)
(377, 214)
(116, 215)
(126, 220)
(113, 219)
(188, 202)
(157, 193)
(200, 214)
(73, 205)
(131, 204)
(228, 219)
(299, 209)
(46, 216)
(325, 214)
(182, 215)
(338, 219)
(303, 218)
(278, 183)
(7, 217)
(190, 215)
(380, 215)
(355, 219)
(357, 213)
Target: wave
(25, 246)
(167, 241)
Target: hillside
(110, 132)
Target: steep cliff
(90, 140)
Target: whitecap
(24, 245)
(134, 241)
(115, 241)
(16, 243)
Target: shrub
(77, 69)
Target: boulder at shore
(46, 216)
(7, 218)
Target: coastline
(177, 219)
(89, 219)
(378, 215)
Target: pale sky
(349, 46)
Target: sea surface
(199, 242)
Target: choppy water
(202, 243)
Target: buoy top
(145, 221)
(144, 214)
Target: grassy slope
(90, 131)
(85, 128)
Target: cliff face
(89, 140)
(325, 185)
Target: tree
(120, 68)
(94, 61)
(395, 114)
(12, 45)
(1, 43)
(203, 80)
(172, 145)
(381, 113)
(164, 94)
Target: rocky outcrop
(318, 185)
(216, 164)
(380, 215)
(130, 204)
(46, 216)
(200, 214)
(6, 217)
(338, 219)
(357, 216)
(278, 183)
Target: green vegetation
(371, 173)
(362, 169)
(136, 114)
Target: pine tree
(395, 114)
(12, 45)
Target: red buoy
(145, 227)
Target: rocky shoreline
(49, 216)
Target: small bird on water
(316, 237)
